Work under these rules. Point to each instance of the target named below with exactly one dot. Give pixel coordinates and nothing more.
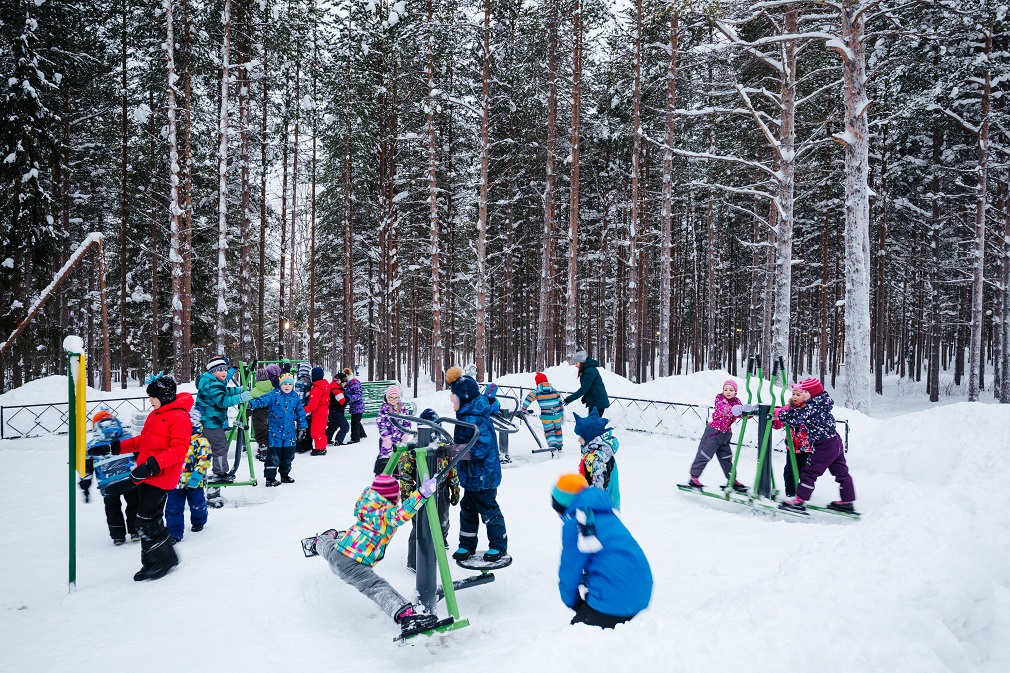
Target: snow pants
(551, 421)
(827, 455)
(118, 528)
(175, 515)
(587, 615)
(260, 424)
(218, 438)
(477, 505)
(362, 577)
(357, 430)
(713, 443)
(278, 456)
(317, 430)
(787, 474)
(155, 542)
(337, 424)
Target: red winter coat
(337, 397)
(165, 436)
(319, 400)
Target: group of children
(816, 444)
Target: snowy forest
(672, 185)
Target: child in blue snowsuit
(598, 552)
(287, 423)
(190, 487)
(480, 474)
(598, 464)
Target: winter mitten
(428, 487)
(148, 468)
(114, 446)
(302, 434)
(245, 396)
(454, 495)
(100, 450)
(194, 480)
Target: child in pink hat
(389, 434)
(717, 437)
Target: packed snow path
(919, 585)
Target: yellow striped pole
(77, 423)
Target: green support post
(743, 425)
(72, 465)
(788, 429)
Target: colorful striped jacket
(378, 519)
(194, 468)
(546, 397)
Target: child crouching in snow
(717, 438)
(353, 554)
(598, 465)
(801, 445)
(598, 552)
(827, 451)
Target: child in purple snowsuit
(827, 453)
(389, 434)
(355, 406)
(717, 438)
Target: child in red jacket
(161, 449)
(319, 408)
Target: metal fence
(677, 419)
(36, 420)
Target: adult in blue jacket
(598, 551)
(480, 473)
(285, 424)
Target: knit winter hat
(347, 371)
(262, 374)
(342, 377)
(567, 487)
(812, 386)
(540, 378)
(102, 414)
(194, 419)
(162, 388)
(580, 356)
(217, 363)
(273, 370)
(318, 374)
(591, 426)
(392, 390)
(796, 388)
(287, 377)
(464, 388)
(491, 391)
(387, 487)
(731, 383)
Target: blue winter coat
(213, 399)
(355, 399)
(482, 471)
(287, 415)
(617, 576)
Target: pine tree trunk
(667, 216)
(633, 224)
(175, 212)
(187, 243)
(878, 349)
(480, 346)
(573, 208)
(222, 183)
(244, 46)
(976, 359)
(437, 365)
(292, 247)
(348, 224)
(264, 130)
(546, 319)
(122, 216)
(857, 210)
(312, 206)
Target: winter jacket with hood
(338, 400)
(482, 471)
(319, 399)
(166, 436)
(287, 415)
(355, 398)
(599, 466)
(591, 388)
(213, 399)
(617, 576)
(722, 414)
(378, 519)
(387, 429)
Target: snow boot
(317, 452)
(118, 541)
(839, 506)
(694, 483)
(134, 537)
(493, 555)
(285, 479)
(309, 543)
(737, 486)
(272, 482)
(793, 505)
(196, 528)
(462, 554)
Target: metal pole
(72, 469)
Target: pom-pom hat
(812, 386)
(217, 363)
(387, 487)
(540, 378)
(287, 377)
(567, 487)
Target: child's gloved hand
(302, 434)
(741, 409)
(148, 468)
(454, 494)
(428, 487)
(194, 480)
(245, 396)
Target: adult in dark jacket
(161, 449)
(355, 406)
(337, 421)
(598, 551)
(591, 389)
(480, 474)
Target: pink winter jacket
(722, 415)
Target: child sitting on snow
(353, 553)
(827, 451)
(551, 409)
(190, 487)
(801, 444)
(598, 464)
(717, 437)
(598, 552)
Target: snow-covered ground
(921, 584)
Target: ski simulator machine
(434, 580)
(761, 498)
